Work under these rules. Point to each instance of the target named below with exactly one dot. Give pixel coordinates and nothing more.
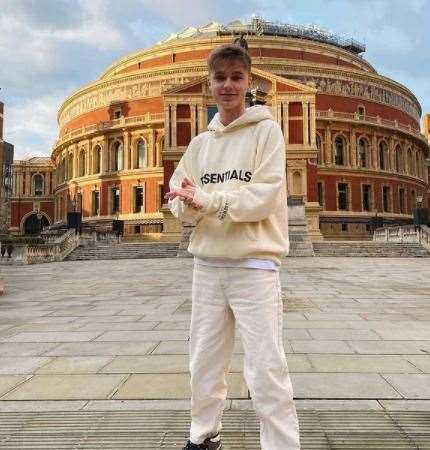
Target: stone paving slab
(355, 330)
(66, 387)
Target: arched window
(398, 158)
(141, 156)
(340, 151)
(70, 166)
(383, 156)
(82, 163)
(363, 153)
(410, 163)
(320, 158)
(96, 159)
(38, 184)
(361, 111)
(118, 156)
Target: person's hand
(185, 193)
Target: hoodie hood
(253, 114)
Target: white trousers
(252, 297)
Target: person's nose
(228, 83)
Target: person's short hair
(229, 52)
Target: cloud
(49, 48)
(31, 125)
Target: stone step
(369, 249)
(168, 430)
(124, 251)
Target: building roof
(258, 26)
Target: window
(386, 198)
(141, 154)
(366, 190)
(320, 194)
(82, 163)
(383, 153)
(398, 153)
(402, 201)
(115, 200)
(96, 164)
(342, 199)
(344, 227)
(95, 204)
(117, 113)
(212, 110)
(363, 153)
(410, 163)
(361, 111)
(38, 185)
(138, 199)
(117, 156)
(339, 151)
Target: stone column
(27, 183)
(193, 120)
(151, 149)
(174, 140)
(328, 146)
(201, 118)
(104, 157)
(353, 144)
(75, 161)
(48, 183)
(66, 166)
(87, 160)
(305, 123)
(374, 151)
(126, 147)
(167, 126)
(392, 154)
(313, 124)
(285, 121)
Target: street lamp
(39, 216)
(418, 212)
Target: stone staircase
(124, 250)
(369, 249)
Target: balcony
(147, 118)
(370, 120)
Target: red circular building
(354, 147)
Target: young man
(231, 184)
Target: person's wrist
(202, 198)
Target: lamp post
(39, 216)
(418, 212)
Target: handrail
(405, 233)
(55, 248)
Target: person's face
(228, 84)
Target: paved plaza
(84, 336)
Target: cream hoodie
(239, 173)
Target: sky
(50, 48)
